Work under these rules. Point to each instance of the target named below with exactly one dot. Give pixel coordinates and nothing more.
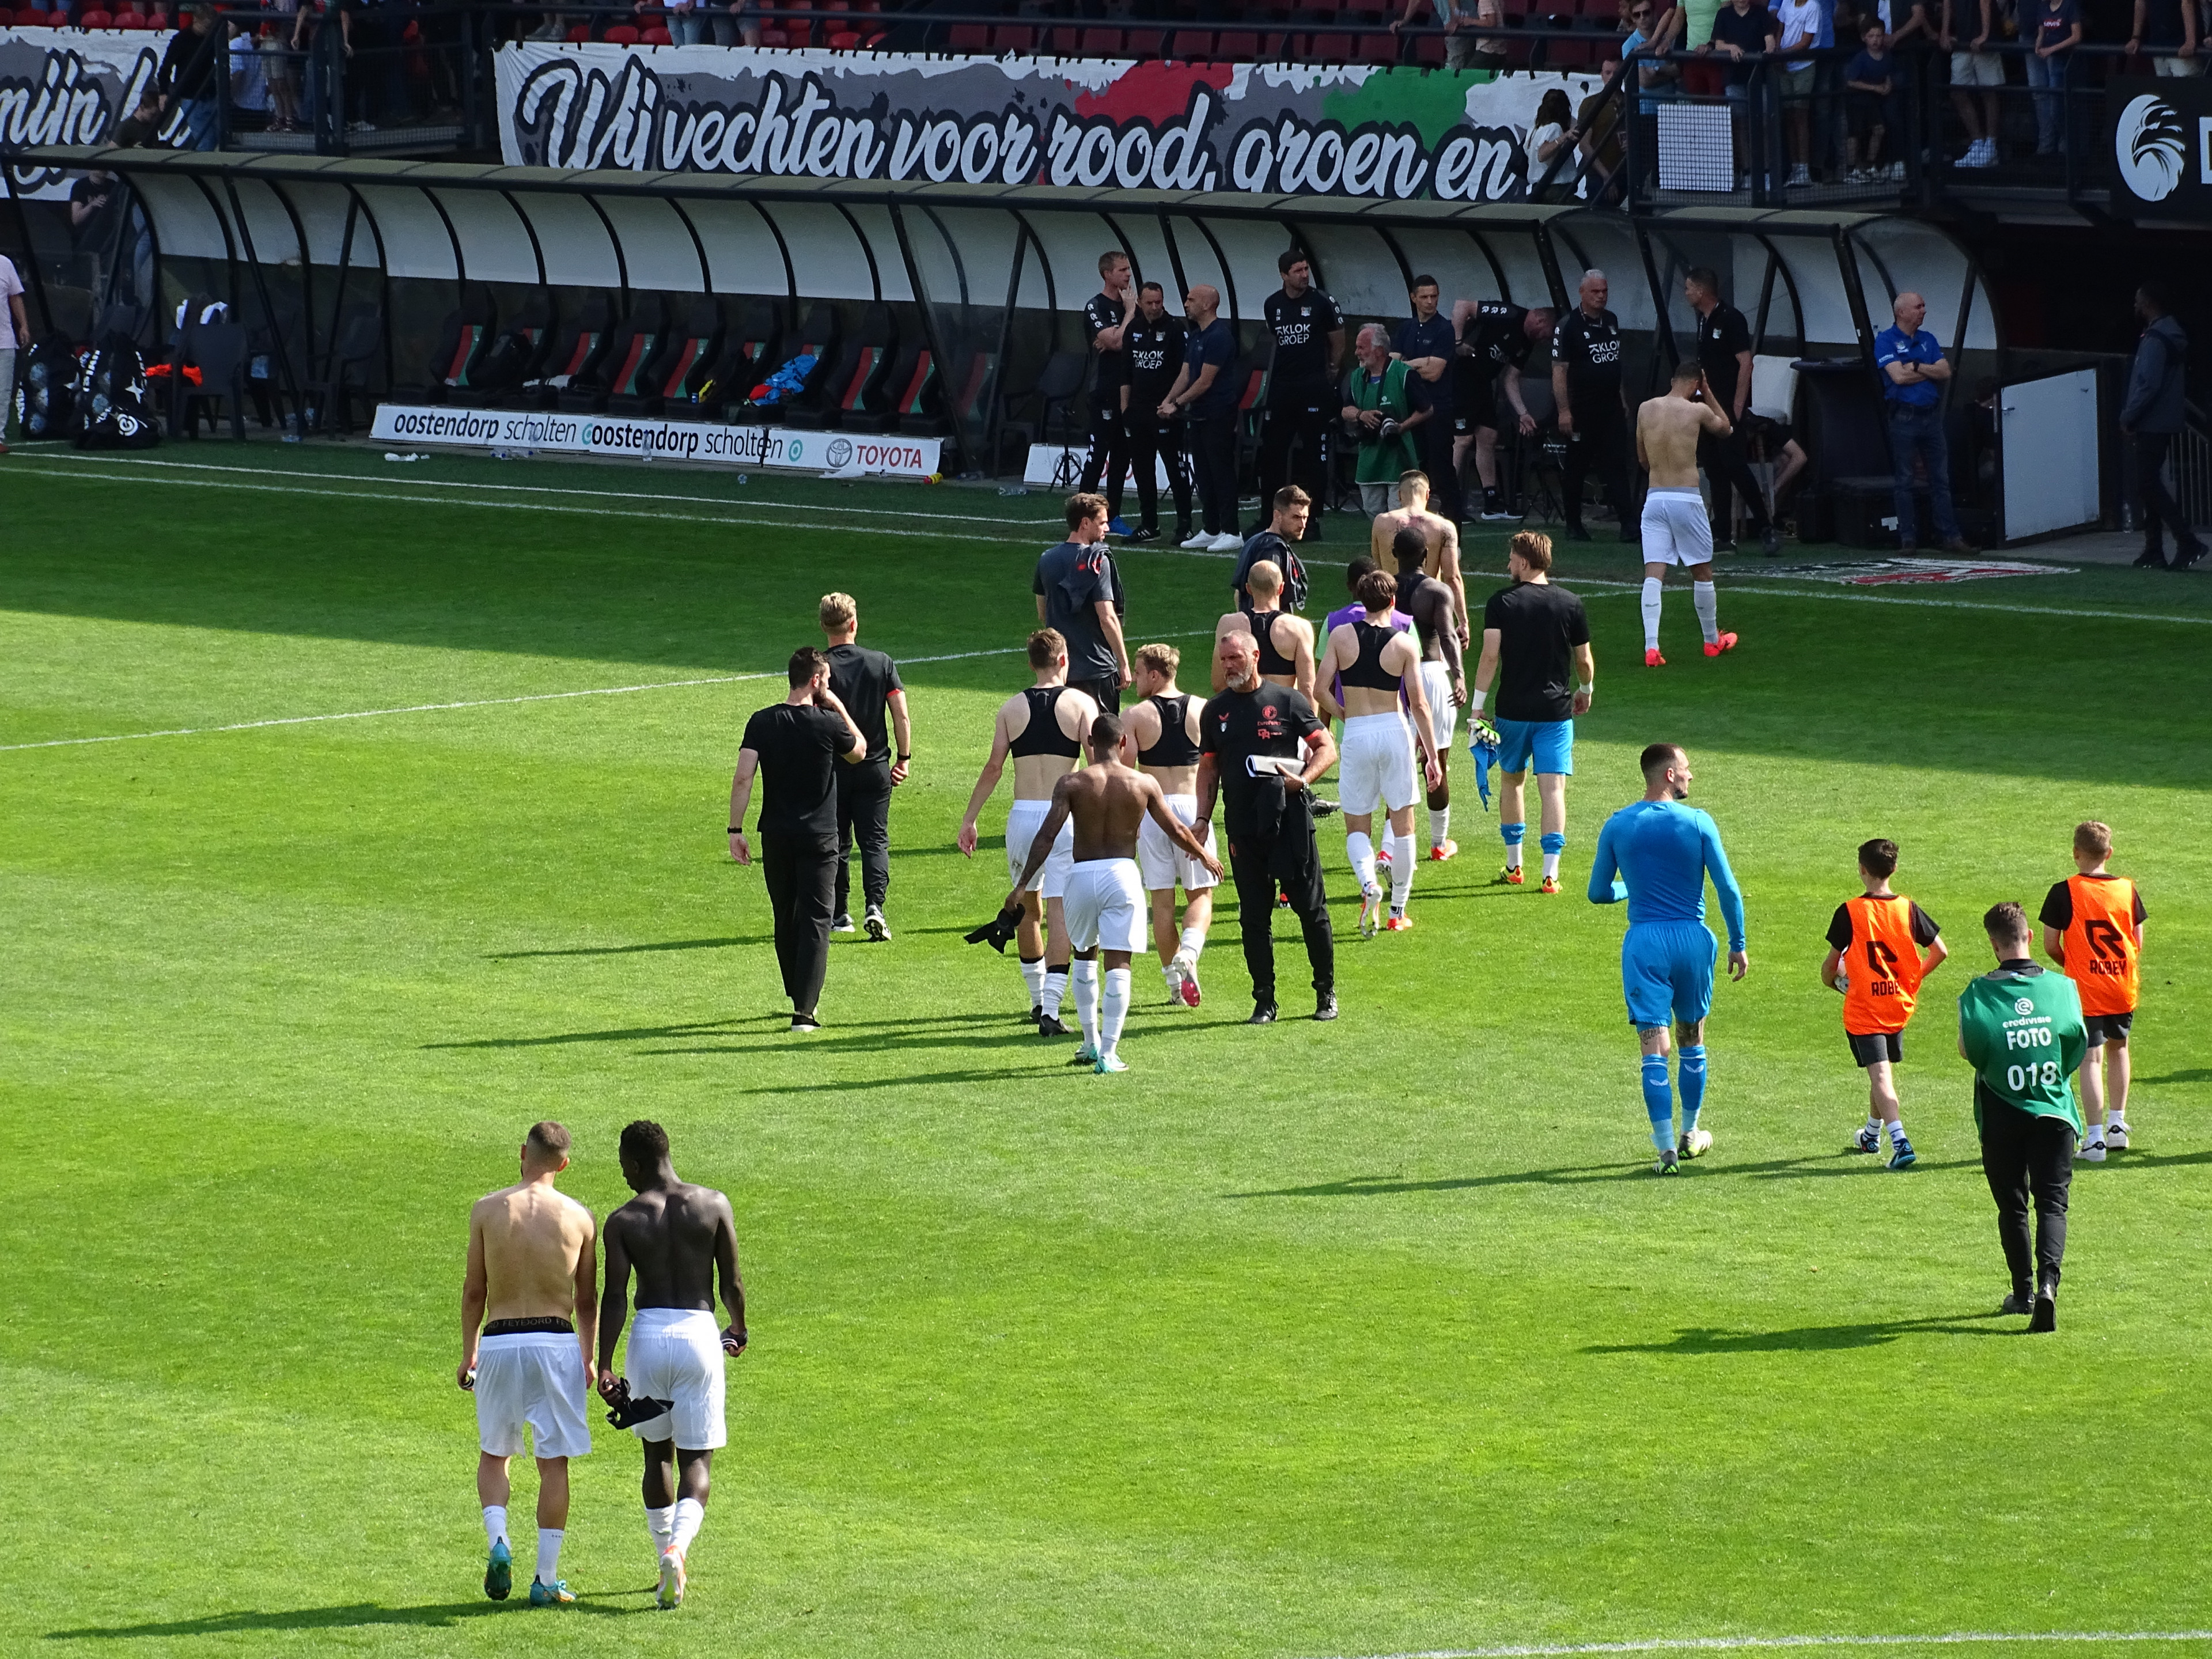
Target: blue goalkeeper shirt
(1656, 855)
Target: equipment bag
(47, 400)
(111, 398)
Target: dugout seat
(816, 337)
(573, 358)
(661, 382)
(912, 399)
(516, 353)
(854, 384)
(729, 374)
(621, 373)
(463, 338)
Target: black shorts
(2104, 1027)
(1476, 406)
(1879, 1045)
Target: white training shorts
(676, 1354)
(1675, 528)
(535, 1377)
(1435, 686)
(1022, 822)
(1106, 906)
(1377, 763)
(1976, 68)
(1163, 864)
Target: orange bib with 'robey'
(2101, 952)
(1884, 966)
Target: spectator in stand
(1597, 135)
(1914, 371)
(1205, 393)
(1799, 21)
(1386, 403)
(1870, 103)
(1309, 334)
(1547, 136)
(1973, 67)
(15, 334)
(1430, 346)
(1656, 79)
(2055, 28)
(2152, 414)
(280, 69)
(737, 24)
(685, 24)
(1462, 51)
(2168, 27)
(186, 79)
(1741, 31)
(249, 87)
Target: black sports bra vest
(1272, 662)
(1368, 670)
(1173, 746)
(1042, 735)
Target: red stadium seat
(1236, 48)
(96, 20)
(622, 35)
(1378, 46)
(1101, 43)
(1328, 49)
(1429, 51)
(1146, 43)
(1191, 45)
(656, 36)
(580, 34)
(971, 38)
(1062, 42)
(1013, 37)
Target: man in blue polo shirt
(1913, 371)
(1430, 346)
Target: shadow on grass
(2198, 1074)
(1702, 1339)
(1387, 1186)
(350, 1616)
(632, 950)
(906, 1081)
(696, 1028)
(2142, 1161)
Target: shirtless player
(1105, 892)
(677, 1238)
(1287, 643)
(1675, 528)
(532, 1264)
(1377, 663)
(1161, 734)
(1443, 675)
(1438, 534)
(1042, 728)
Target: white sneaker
(2092, 1152)
(2116, 1135)
(1198, 544)
(1896, 174)
(1801, 175)
(1225, 543)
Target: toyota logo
(2151, 147)
(841, 451)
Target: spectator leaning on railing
(186, 78)
(2168, 27)
(1741, 31)
(1461, 50)
(1870, 104)
(2055, 27)
(1973, 66)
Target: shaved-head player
(1439, 539)
(1443, 673)
(1161, 734)
(1105, 895)
(1286, 643)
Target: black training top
(1720, 337)
(1367, 668)
(1111, 372)
(1173, 747)
(2058, 906)
(1495, 336)
(1042, 735)
(1155, 353)
(1272, 662)
(1074, 578)
(864, 681)
(1538, 626)
(1925, 930)
(1301, 328)
(798, 749)
(1414, 339)
(1268, 719)
(1591, 351)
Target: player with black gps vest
(1308, 329)
(1105, 322)
(1725, 353)
(1496, 339)
(1160, 738)
(1586, 385)
(1154, 342)
(868, 683)
(1443, 673)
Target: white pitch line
(1572, 582)
(1738, 1644)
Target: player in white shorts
(1437, 623)
(529, 1306)
(1160, 734)
(1041, 729)
(1106, 801)
(1378, 665)
(678, 1239)
(1676, 529)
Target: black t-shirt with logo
(1072, 578)
(1268, 719)
(799, 751)
(1495, 336)
(1592, 351)
(1538, 628)
(864, 681)
(1301, 328)
(1155, 354)
(1111, 372)
(1720, 337)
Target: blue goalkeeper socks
(1552, 844)
(1692, 1075)
(1512, 835)
(1659, 1102)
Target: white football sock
(1551, 867)
(1361, 851)
(494, 1524)
(1085, 978)
(1193, 940)
(1172, 978)
(661, 1523)
(1707, 598)
(1114, 1009)
(1874, 1124)
(689, 1513)
(1401, 870)
(1439, 825)
(1897, 1128)
(1033, 976)
(1651, 590)
(1055, 991)
(549, 1554)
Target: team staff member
(1078, 593)
(1593, 417)
(1537, 637)
(1154, 342)
(1495, 341)
(1914, 369)
(2093, 928)
(794, 747)
(1725, 353)
(1427, 345)
(1105, 323)
(1387, 406)
(1251, 740)
(2023, 1031)
(1309, 332)
(868, 683)
(1205, 393)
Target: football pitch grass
(1293, 1342)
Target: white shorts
(535, 1377)
(2178, 68)
(1022, 822)
(1165, 865)
(1377, 763)
(1436, 685)
(1106, 906)
(1675, 528)
(1976, 68)
(676, 1354)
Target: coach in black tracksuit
(1725, 353)
(1302, 402)
(794, 747)
(1104, 319)
(868, 683)
(1154, 343)
(1586, 371)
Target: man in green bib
(1384, 403)
(2021, 1031)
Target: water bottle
(1012, 490)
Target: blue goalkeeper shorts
(1539, 745)
(1666, 971)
